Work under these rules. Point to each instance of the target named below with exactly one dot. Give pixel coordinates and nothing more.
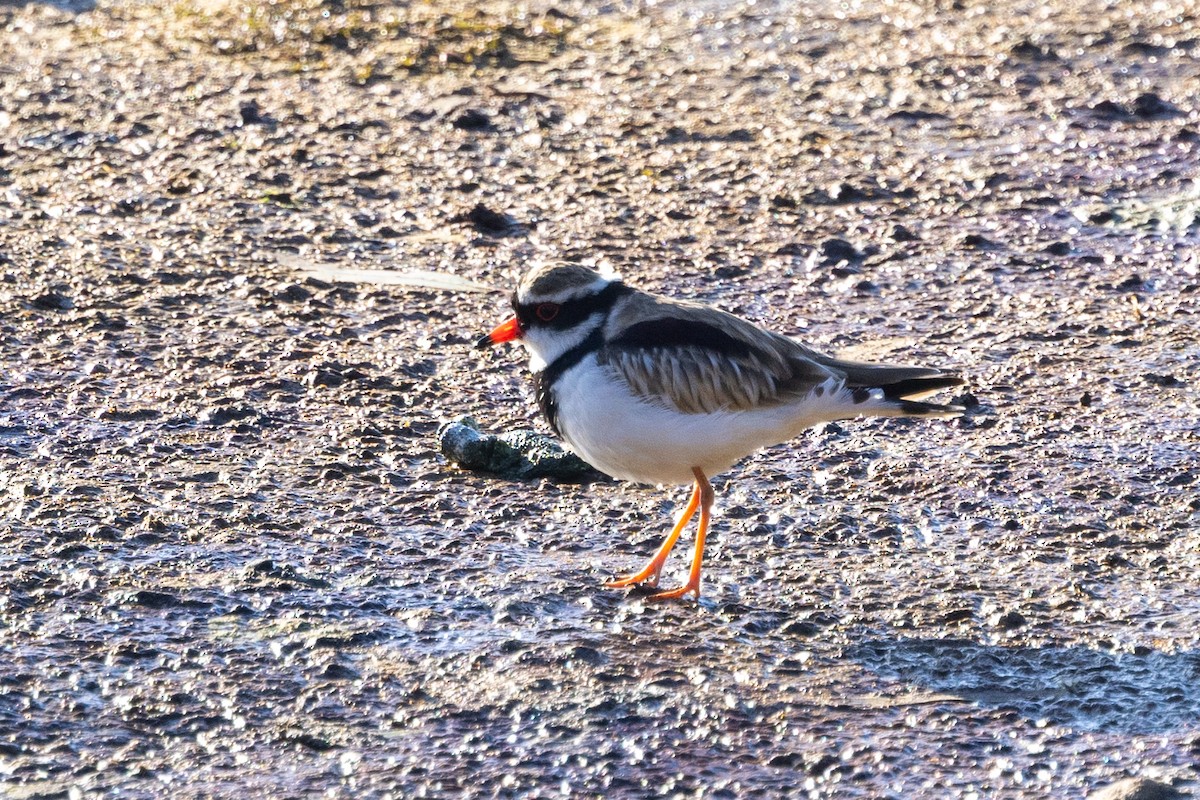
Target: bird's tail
(885, 390)
(904, 396)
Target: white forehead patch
(569, 293)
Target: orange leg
(650, 572)
(704, 488)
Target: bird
(660, 391)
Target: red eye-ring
(546, 311)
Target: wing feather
(700, 361)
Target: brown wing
(700, 360)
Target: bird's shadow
(1077, 687)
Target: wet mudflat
(235, 562)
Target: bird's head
(555, 308)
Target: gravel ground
(237, 565)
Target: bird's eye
(546, 311)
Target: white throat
(545, 345)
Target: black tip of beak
(484, 342)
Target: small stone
(520, 454)
(728, 271)
(293, 293)
(53, 301)
(1165, 381)
(1107, 109)
(322, 376)
(250, 113)
(152, 599)
(965, 399)
(1010, 620)
(838, 251)
(487, 220)
(473, 120)
(225, 414)
(977, 241)
(784, 201)
(844, 192)
(1137, 789)
(1150, 106)
(958, 615)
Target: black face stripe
(571, 312)
(675, 332)
(544, 381)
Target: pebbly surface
(236, 563)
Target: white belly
(629, 438)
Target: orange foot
(645, 577)
(702, 497)
(675, 594)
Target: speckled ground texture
(235, 563)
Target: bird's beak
(504, 332)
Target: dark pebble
(473, 120)
(965, 399)
(251, 113)
(727, 271)
(1166, 381)
(784, 201)
(1010, 620)
(152, 599)
(588, 655)
(1150, 106)
(318, 744)
(801, 629)
(223, 415)
(322, 377)
(976, 241)
(845, 193)
(130, 414)
(293, 293)
(1107, 109)
(1034, 51)
(838, 251)
(340, 672)
(487, 220)
(822, 764)
(53, 301)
